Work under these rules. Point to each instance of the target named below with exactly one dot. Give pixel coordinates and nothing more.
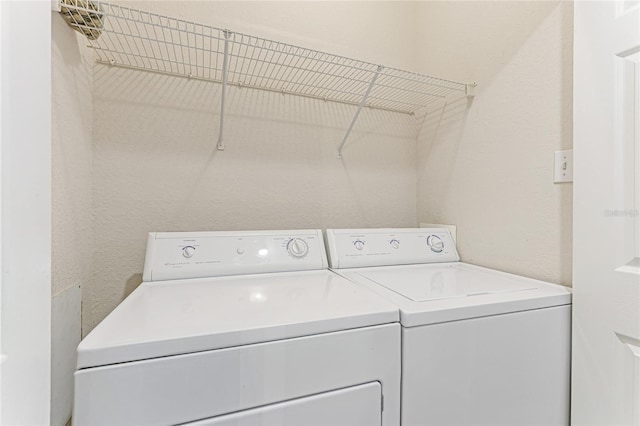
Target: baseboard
(65, 336)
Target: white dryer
(479, 347)
(274, 339)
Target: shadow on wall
(132, 283)
(440, 135)
(174, 122)
(450, 117)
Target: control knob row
(359, 244)
(434, 242)
(296, 247)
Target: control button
(188, 251)
(435, 243)
(395, 244)
(240, 250)
(358, 244)
(297, 248)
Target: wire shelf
(142, 40)
(136, 39)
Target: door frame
(25, 212)
(606, 294)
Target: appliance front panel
(186, 388)
(509, 370)
(354, 406)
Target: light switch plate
(563, 166)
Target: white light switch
(563, 166)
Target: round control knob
(297, 247)
(435, 243)
(188, 251)
(395, 244)
(358, 244)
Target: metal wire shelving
(130, 38)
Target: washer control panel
(354, 248)
(178, 255)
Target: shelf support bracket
(470, 89)
(225, 69)
(355, 117)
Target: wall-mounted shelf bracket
(470, 89)
(225, 73)
(360, 106)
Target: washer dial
(188, 251)
(297, 248)
(358, 244)
(395, 244)
(435, 243)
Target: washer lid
(444, 282)
(184, 316)
(436, 293)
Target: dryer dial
(297, 248)
(358, 244)
(188, 251)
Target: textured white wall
(375, 31)
(72, 152)
(71, 204)
(156, 167)
(487, 167)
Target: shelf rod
(248, 86)
(225, 69)
(355, 117)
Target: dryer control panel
(355, 248)
(178, 255)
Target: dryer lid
(444, 282)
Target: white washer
(288, 342)
(479, 347)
